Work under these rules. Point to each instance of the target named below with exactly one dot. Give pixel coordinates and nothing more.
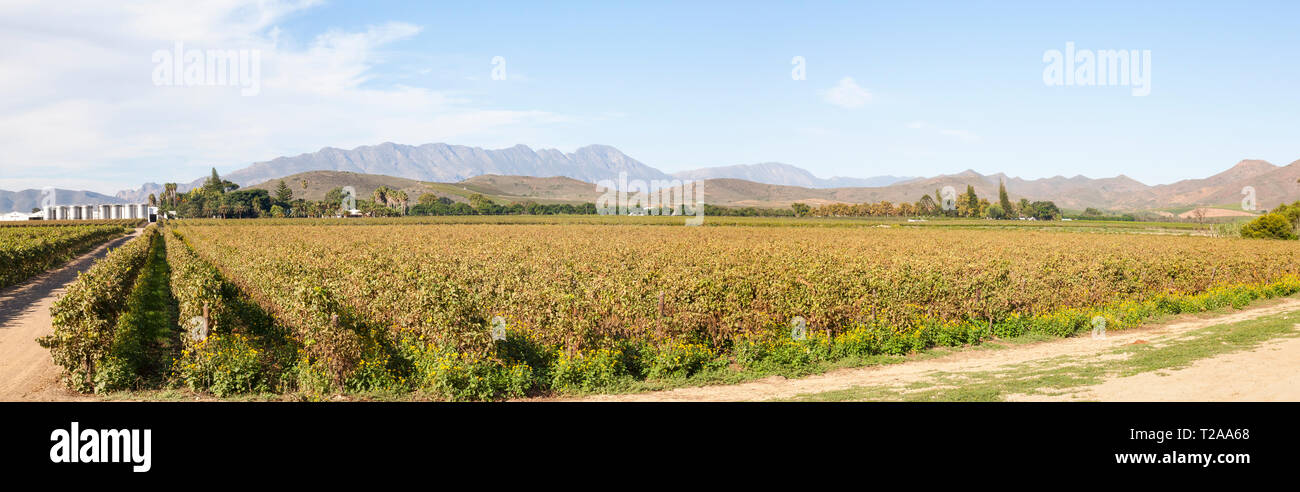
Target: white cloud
(78, 104)
(847, 94)
(916, 125)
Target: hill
(1077, 193)
(314, 185)
(1273, 186)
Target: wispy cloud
(77, 99)
(847, 94)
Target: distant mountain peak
(779, 173)
(1254, 163)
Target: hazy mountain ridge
(445, 163)
(140, 195)
(25, 200)
(784, 174)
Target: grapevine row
(28, 251)
(383, 307)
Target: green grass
(145, 338)
(1061, 374)
(1185, 209)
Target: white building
(100, 212)
(15, 216)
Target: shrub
(226, 365)
(681, 359)
(463, 376)
(1269, 226)
(588, 370)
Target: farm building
(15, 216)
(93, 212)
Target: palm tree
(402, 198)
(169, 194)
(381, 196)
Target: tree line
(967, 205)
(219, 198)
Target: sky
(888, 88)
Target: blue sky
(941, 86)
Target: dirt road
(1268, 373)
(26, 371)
(1273, 368)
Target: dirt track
(26, 371)
(1271, 372)
(1272, 369)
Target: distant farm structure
(99, 212)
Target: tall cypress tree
(1004, 200)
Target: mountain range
(443, 163)
(768, 184)
(1273, 185)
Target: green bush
(588, 370)
(226, 365)
(682, 359)
(1269, 226)
(464, 376)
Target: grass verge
(1064, 375)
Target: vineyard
(29, 250)
(328, 307)
(67, 223)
